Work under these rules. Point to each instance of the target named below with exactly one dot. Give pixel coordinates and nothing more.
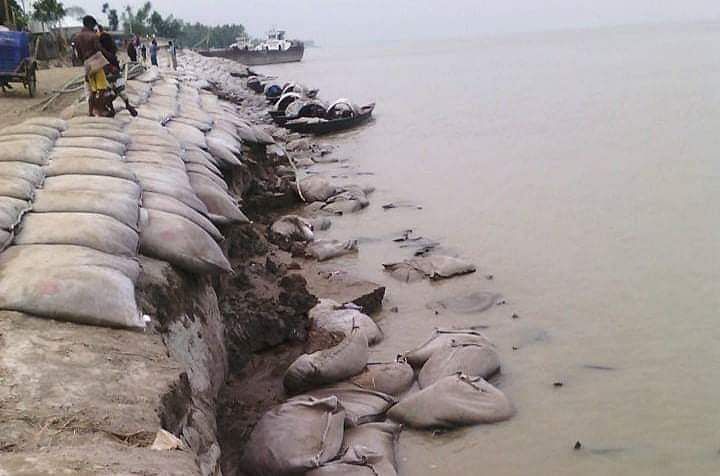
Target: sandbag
(361, 405)
(222, 153)
(98, 183)
(316, 188)
(97, 143)
(111, 134)
(331, 317)
(381, 439)
(39, 141)
(99, 232)
(166, 160)
(80, 152)
(182, 194)
(88, 166)
(123, 208)
(323, 250)
(89, 121)
(15, 187)
(187, 135)
(33, 129)
(11, 211)
(432, 267)
(475, 359)
(52, 122)
(20, 257)
(82, 294)
(203, 174)
(346, 359)
(164, 203)
(441, 339)
(451, 402)
(218, 202)
(294, 437)
(180, 242)
(392, 378)
(200, 157)
(23, 170)
(293, 228)
(23, 151)
(5, 239)
(225, 139)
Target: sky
(338, 22)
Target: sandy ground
(16, 105)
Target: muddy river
(582, 171)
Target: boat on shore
(274, 50)
(341, 115)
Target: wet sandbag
(52, 122)
(316, 188)
(323, 250)
(97, 143)
(93, 295)
(432, 267)
(88, 166)
(98, 183)
(217, 201)
(442, 339)
(93, 230)
(111, 134)
(392, 378)
(476, 359)
(360, 404)
(23, 170)
(23, 151)
(180, 242)
(11, 212)
(80, 152)
(19, 257)
(222, 153)
(333, 318)
(123, 208)
(293, 228)
(295, 437)
(381, 439)
(164, 203)
(37, 130)
(15, 187)
(346, 359)
(451, 402)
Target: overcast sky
(335, 22)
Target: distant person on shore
(143, 53)
(132, 51)
(173, 55)
(113, 72)
(153, 52)
(97, 87)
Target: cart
(16, 64)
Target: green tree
(137, 21)
(18, 17)
(48, 12)
(112, 17)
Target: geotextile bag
(97, 143)
(15, 187)
(441, 339)
(217, 201)
(30, 172)
(392, 378)
(49, 132)
(361, 405)
(475, 359)
(11, 211)
(222, 153)
(52, 122)
(346, 359)
(23, 151)
(164, 203)
(295, 437)
(89, 166)
(98, 183)
(93, 230)
(381, 439)
(112, 204)
(79, 152)
(451, 402)
(332, 317)
(103, 133)
(432, 267)
(180, 242)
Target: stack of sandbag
(74, 256)
(24, 149)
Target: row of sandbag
(74, 254)
(353, 396)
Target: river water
(582, 170)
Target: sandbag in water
(392, 378)
(346, 359)
(317, 189)
(331, 317)
(323, 250)
(360, 404)
(452, 402)
(432, 267)
(475, 359)
(295, 437)
(293, 228)
(441, 339)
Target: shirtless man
(87, 44)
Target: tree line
(144, 21)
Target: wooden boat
(319, 125)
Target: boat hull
(331, 126)
(258, 58)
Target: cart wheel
(32, 81)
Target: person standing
(132, 51)
(173, 55)
(88, 46)
(113, 72)
(143, 52)
(153, 52)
